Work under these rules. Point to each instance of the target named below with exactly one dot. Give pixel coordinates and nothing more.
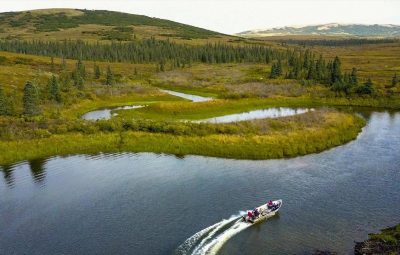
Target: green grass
(209, 109)
(295, 139)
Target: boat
(264, 212)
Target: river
(149, 203)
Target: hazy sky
(236, 15)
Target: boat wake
(211, 239)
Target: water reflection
(8, 175)
(37, 169)
(105, 199)
(105, 114)
(257, 114)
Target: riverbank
(181, 110)
(386, 242)
(263, 139)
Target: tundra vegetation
(48, 82)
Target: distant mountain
(332, 29)
(58, 24)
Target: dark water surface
(150, 204)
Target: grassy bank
(386, 242)
(286, 137)
(209, 109)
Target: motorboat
(263, 212)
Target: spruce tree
(80, 68)
(54, 90)
(367, 88)
(162, 67)
(319, 68)
(395, 80)
(109, 77)
(52, 65)
(273, 73)
(353, 80)
(30, 100)
(79, 74)
(97, 72)
(279, 69)
(336, 73)
(311, 75)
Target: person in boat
(270, 204)
(250, 214)
(256, 212)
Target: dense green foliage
(263, 139)
(339, 42)
(79, 74)
(145, 51)
(31, 99)
(54, 89)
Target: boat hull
(265, 212)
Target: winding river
(149, 203)
(107, 113)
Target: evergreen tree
(279, 68)
(54, 89)
(109, 77)
(353, 80)
(319, 68)
(52, 68)
(336, 73)
(312, 73)
(395, 80)
(162, 67)
(273, 74)
(65, 80)
(79, 74)
(367, 88)
(80, 68)
(31, 100)
(97, 72)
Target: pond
(106, 113)
(257, 114)
(149, 203)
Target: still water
(106, 113)
(152, 203)
(193, 98)
(257, 114)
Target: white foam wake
(211, 239)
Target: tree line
(144, 51)
(306, 67)
(339, 42)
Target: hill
(332, 29)
(58, 24)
